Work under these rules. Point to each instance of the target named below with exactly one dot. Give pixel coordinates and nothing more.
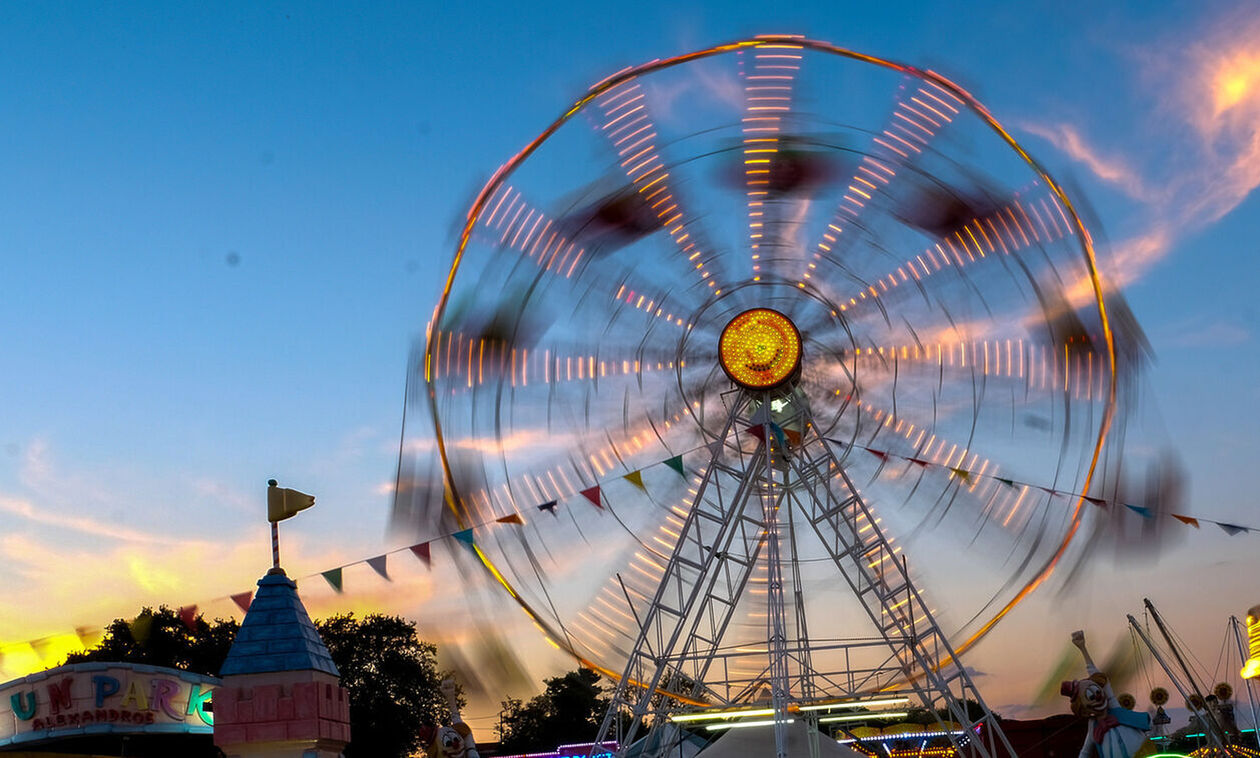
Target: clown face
(451, 743)
(1090, 700)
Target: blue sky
(222, 227)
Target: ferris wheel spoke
(513, 223)
(922, 109)
(771, 179)
(1019, 225)
(1073, 368)
(629, 127)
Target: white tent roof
(758, 742)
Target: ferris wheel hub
(760, 349)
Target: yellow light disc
(760, 349)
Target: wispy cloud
(1110, 169)
(28, 511)
(1207, 98)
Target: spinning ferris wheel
(870, 336)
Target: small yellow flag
(283, 503)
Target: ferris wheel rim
(500, 176)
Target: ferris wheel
(791, 372)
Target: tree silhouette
(571, 709)
(160, 638)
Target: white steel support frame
(756, 483)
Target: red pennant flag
(515, 518)
(188, 615)
(758, 431)
(1187, 520)
(422, 552)
(1096, 500)
(242, 600)
(378, 565)
(880, 454)
(592, 494)
(919, 462)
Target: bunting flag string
(967, 476)
(89, 636)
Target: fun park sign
(104, 698)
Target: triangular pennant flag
(41, 647)
(465, 536)
(333, 577)
(592, 494)
(378, 565)
(880, 454)
(777, 431)
(423, 552)
(1099, 501)
(1140, 510)
(1048, 490)
(1192, 521)
(514, 518)
(1007, 482)
(549, 506)
(1232, 529)
(141, 626)
(715, 448)
(242, 600)
(635, 478)
(961, 473)
(920, 462)
(188, 615)
(89, 636)
(676, 464)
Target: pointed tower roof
(277, 634)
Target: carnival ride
(785, 395)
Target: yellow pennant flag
(283, 503)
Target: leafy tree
(571, 709)
(393, 682)
(160, 638)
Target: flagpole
(275, 545)
(275, 535)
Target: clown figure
(456, 740)
(1114, 731)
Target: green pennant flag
(635, 478)
(676, 464)
(333, 577)
(1007, 482)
